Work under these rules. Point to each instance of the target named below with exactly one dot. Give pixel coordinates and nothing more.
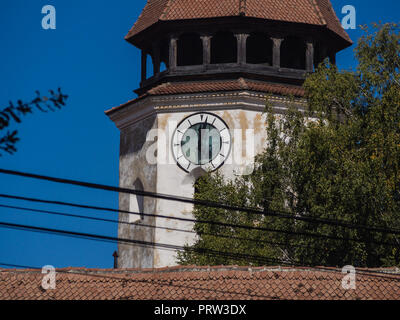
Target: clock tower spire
(214, 66)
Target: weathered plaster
(133, 165)
(240, 110)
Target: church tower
(214, 64)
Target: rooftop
(241, 84)
(311, 12)
(200, 283)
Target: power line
(18, 266)
(231, 255)
(234, 256)
(222, 224)
(57, 213)
(210, 204)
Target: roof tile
(230, 85)
(170, 88)
(313, 12)
(197, 283)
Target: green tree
(14, 113)
(339, 160)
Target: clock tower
(201, 108)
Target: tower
(214, 65)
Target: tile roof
(219, 86)
(150, 15)
(313, 12)
(226, 85)
(198, 283)
(332, 21)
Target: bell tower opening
(223, 48)
(190, 50)
(149, 66)
(259, 49)
(164, 55)
(293, 53)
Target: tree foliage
(15, 112)
(338, 160)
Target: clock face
(201, 140)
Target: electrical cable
(373, 273)
(141, 224)
(209, 204)
(235, 256)
(307, 234)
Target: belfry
(214, 64)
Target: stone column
(144, 65)
(241, 47)
(206, 49)
(276, 52)
(310, 56)
(173, 50)
(156, 59)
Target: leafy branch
(14, 113)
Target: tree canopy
(338, 160)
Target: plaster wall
(139, 123)
(171, 179)
(134, 167)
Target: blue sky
(88, 58)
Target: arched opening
(293, 53)
(164, 55)
(136, 202)
(259, 49)
(223, 48)
(190, 50)
(149, 68)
